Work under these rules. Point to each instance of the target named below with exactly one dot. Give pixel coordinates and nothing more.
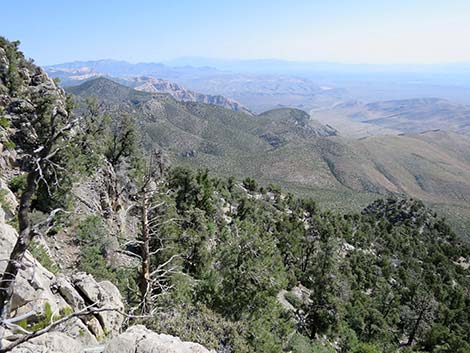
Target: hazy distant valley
(356, 100)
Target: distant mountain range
(281, 66)
(285, 146)
(247, 92)
(123, 72)
(74, 71)
(261, 85)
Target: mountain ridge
(75, 73)
(156, 85)
(286, 146)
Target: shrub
(92, 237)
(301, 344)
(250, 184)
(202, 325)
(46, 318)
(40, 253)
(294, 300)
(364, 347)
(9, 145)
(3, 200)
(93, 262)
(91, 231)
(17, 183)
(4, 122)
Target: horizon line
(260, 60)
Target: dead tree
(149, 201)
(152, 279)
(145, 282)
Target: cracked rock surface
(138, 339)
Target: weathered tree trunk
(21, 245)
(416, 326)
(145, 281)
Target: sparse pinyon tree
(13, 77)
(322, 312)
(123, 139)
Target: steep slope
(293, 123)
(208, 129)
(429, 166)
(107, 90)
(55, 306)
(285, 146)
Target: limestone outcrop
(42, 293)
(138, 339)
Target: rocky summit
(155, 85)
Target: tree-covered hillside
(265, 271)
(254, 269)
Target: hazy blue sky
(360, 31)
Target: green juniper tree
(13, 77)
(322, 314)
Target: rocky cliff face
(38, 292)
(137, 339)
(155, 85)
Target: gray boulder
(139, 339)
(106, 295)
(54, 342)
(36, 289)
(7, 211)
